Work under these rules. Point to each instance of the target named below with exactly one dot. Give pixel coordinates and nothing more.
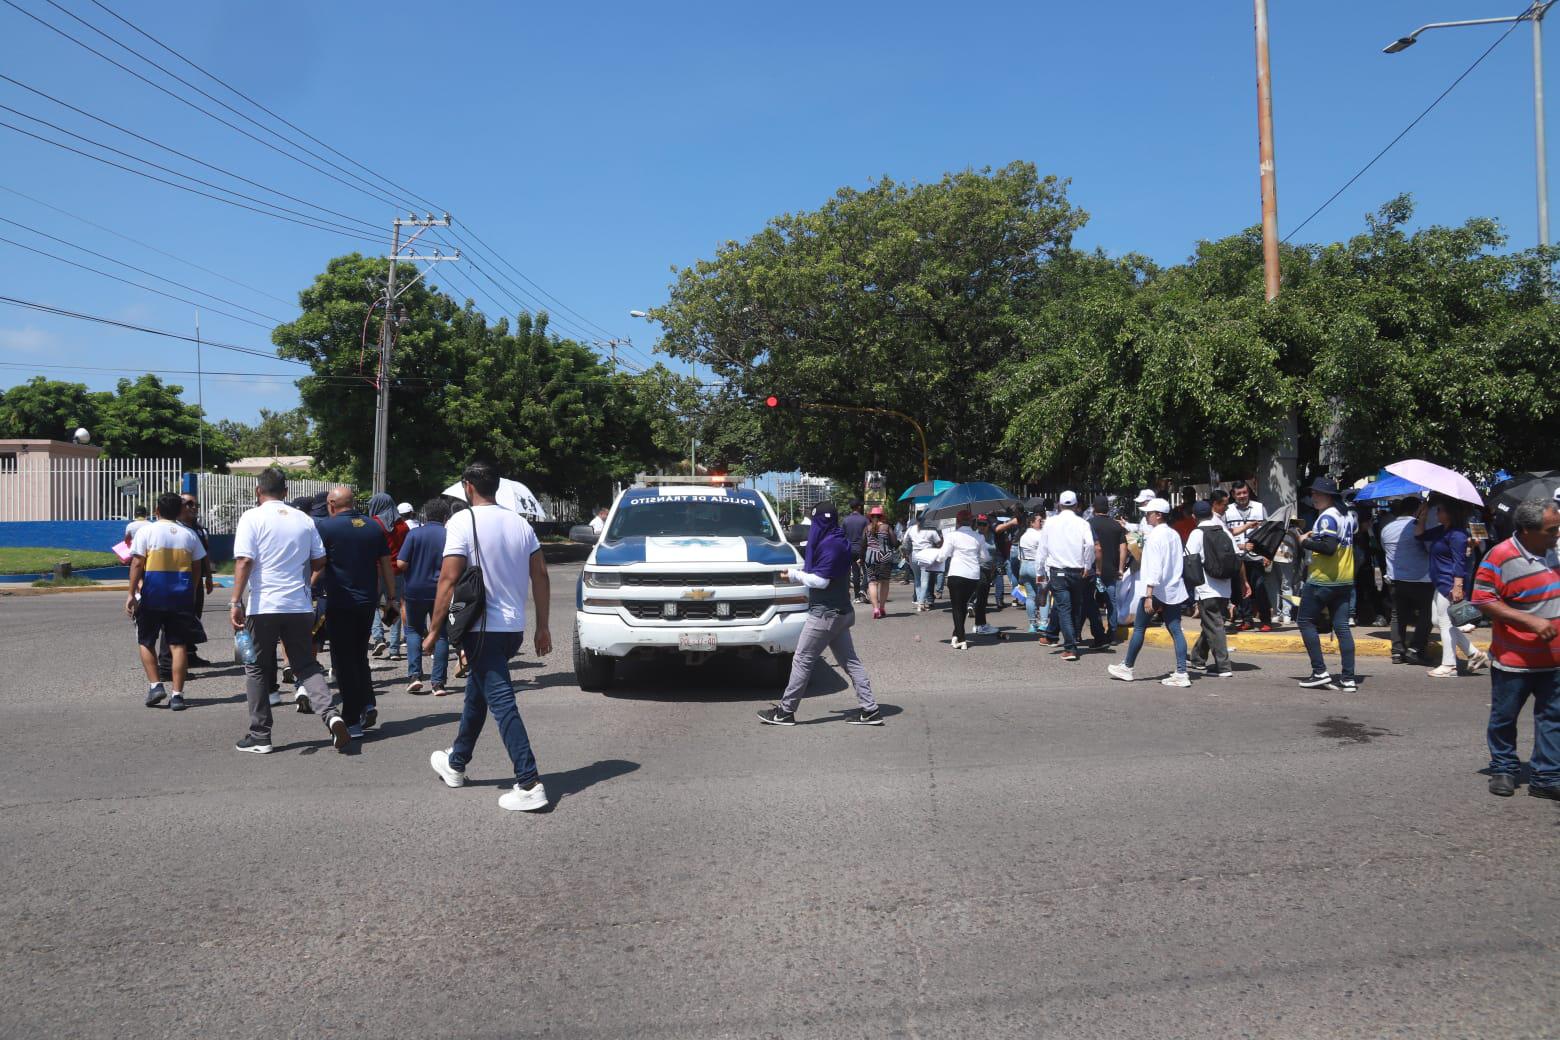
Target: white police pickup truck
(688, 570)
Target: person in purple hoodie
(826, 571)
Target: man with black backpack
(1212, 542)
(498, 548)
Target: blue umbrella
(926, 490)
(1388, 486)
(977, 497)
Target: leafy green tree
(899, 296)
(145, 418)
(48, 409)
(276, 433)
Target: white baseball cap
(1146, 495)
(1156, 505)
(405, 509)
(1067, 498)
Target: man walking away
(830, 615)
(358, 565)
(419, 562)
(1069, 556)
(1213, 595)
(1408, 578)
(1518, 588)
(1160, 587)
(139, 521)
(1110, 563)
(1330, 586)
(504, 546)
(1029, 562)
(855, 528)
(276, 550)
(164, 561)
(387, 636)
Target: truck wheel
(593, 672)
(780, 665)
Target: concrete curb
(28, 590)
(1289, 641)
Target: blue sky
(598, 146)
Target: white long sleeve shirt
(962, 551)
(1161, 570)
(1068, 542)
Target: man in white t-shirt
(502, 543)
(141, 520)
(598, 523)
(276, 551)
(1244, 515)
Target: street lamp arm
(1538, 10)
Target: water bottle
(245, 645)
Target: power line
(282, 119)
(147, 245)
(604, 331)
(175, 184)
(174, 151)
(99, 319)
(184, 100)
(1404, 132)
(177, 173)
(127, 281)
(140, 270)
(207, 373)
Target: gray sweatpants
(1210, 616)
(296, 634)
(832, 632)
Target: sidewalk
(1369, 640)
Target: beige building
(61, 480)
(256, 464)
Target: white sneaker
(986, 630)
(524, 801)
(417, 686)
(960, 644)
(440, 761)
(1176, 679)
(1120, 671)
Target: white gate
(224, 497)
(42, 488)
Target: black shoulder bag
(468, 605)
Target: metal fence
(41, 488)
(224, 497)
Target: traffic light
(776, 401)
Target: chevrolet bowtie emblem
(699, 594)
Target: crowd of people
(317, 572)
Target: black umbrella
(977, 497)
(1035, 505)
(1504, 497)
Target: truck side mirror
(584, 534)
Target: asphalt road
(1026, 849)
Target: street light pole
(1535, 14)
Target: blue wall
(96, 535)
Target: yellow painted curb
(1286, 642)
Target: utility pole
(1537, 12)
(387, 330)
(200, 393)
(1265, 148)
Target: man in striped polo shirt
(1518, 589)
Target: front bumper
(609, 635)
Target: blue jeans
(1509, 691)
(1339, 599)
(393, 636)
(1067, 594)
(488, 688)
(1035, 599)
(925, 580)
(417, 611)
(1172, 615)
(1111, 618)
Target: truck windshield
(691, 516)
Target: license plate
(696, 642)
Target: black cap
(1202, 510)
(1326, 485)
(1102, 503)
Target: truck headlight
(603, 579)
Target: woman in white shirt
(925, 541)
(1159, 585)
(1031, 550)
(963, 552)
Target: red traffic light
(772, 401)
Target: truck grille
(741, 610)
(706, 581)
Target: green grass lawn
(42, 561)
